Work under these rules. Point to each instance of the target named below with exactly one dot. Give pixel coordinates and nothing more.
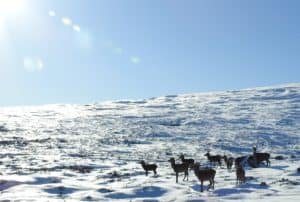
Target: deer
(180, 168)
(188, 161)
(214, 159)
(205, 174)
(148, 167)
(252, 161)
(228, 161)
(240, 160)
(260, 157)
(240, 175)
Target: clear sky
(83, 51)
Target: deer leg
(176, 177)
(146, 172)
(155, 173)
(187, 175)
(201, 186)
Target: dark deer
(239, 161)
(205, 174)
(228, 161)
(260, 157)
(188, 161)
(148, 167)
(240, 175)
(252, 161)
(214, 159)
(180, 168)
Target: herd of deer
(208, 174)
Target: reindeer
(240, 175)
(188, 161)
(148, 167)
(205, 174)
(214, 159)
(260, 157)
(180, 168)
(228, 161)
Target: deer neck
(173, 164)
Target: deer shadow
(243, 188)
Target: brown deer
(180, 168)
(214, 159)
(205, 174)
(260, 157)
(252, 161)
(148, 167)
(240, 175)
(239, 161)
(228, 161)
(188, 161)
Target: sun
(10, 12)
(11, 8)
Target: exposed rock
(279, 157)
(263, 184)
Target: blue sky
(134, 49)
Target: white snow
(91, 152)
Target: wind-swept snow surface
(91, 152)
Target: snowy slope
(91, 152)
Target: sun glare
(11, 8)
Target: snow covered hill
(91, 152)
